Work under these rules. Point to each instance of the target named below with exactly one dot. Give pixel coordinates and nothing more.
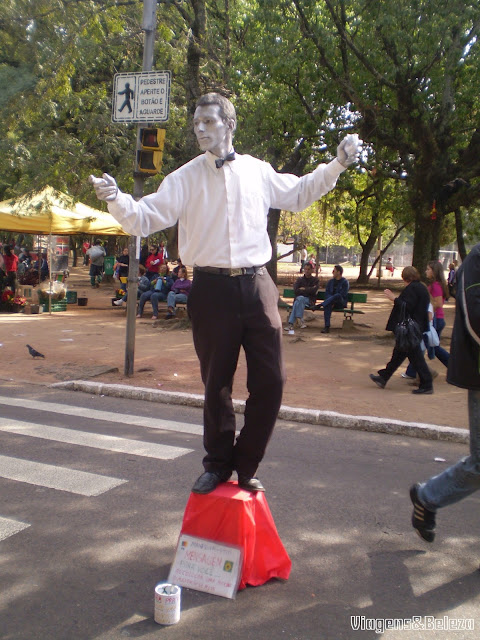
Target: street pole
(149, 26)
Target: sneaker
(407, 377)
(303, 325)
(379, 381)
(289, 328)
(423, 520)
(118, 303)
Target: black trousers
(417, 359)
(228, 313)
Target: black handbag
(408, 334)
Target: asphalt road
(92, 494)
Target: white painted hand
(349, 149)
(105, 187)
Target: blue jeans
(463, 478)
(146, 295)
(298, 308)
(440, 352)
(155, 298)
(333, 301)
(173, 298)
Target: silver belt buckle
(236, 272)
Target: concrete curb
(308, 416)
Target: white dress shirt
(222, 213)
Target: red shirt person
(11, 266)
(153, 262)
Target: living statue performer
(220, 200)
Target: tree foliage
(302, 74)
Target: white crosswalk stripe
(97, 414)
(54, 477)
(63, 478)
(96, 440)
(11, 527)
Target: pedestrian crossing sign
(141, 97)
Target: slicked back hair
(227, 110)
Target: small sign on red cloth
(206, 565)
(231, 515)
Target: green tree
(406, 73)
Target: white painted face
(213, 134)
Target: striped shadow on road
(109, 416)
(54, 477)
(10, 527)
(96, 440)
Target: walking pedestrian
(463, 478)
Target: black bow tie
(219, 162)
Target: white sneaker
(303, 325)
(289, 328)
(118, 303)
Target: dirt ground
(326, 372)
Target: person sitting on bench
(336, 296)
(179, 292)
(158, 291)
(305, 289)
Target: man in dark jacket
(305, 289)
(336, 295)
(415, 300)
(463, 478)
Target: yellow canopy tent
(51, 212)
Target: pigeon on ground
(34, 353)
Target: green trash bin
(108, 265)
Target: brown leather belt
(240, 271)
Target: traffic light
(150, 154)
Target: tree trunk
(172, 242)
(272, 229)
(364, 276)
(426, 241)
(462, 250)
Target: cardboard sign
(207, 566)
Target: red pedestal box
(234, 516)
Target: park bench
(348, 312)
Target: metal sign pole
(149, 26)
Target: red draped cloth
(231, 515)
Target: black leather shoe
(325, 330)
(379, 381)
(208, 482)
(423, 390)
(317, 307)
(250, 484)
